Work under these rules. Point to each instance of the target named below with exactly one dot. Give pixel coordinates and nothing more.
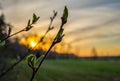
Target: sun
(33, 44)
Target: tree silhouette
(94, 53)
(2, 27)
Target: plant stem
(10, 68)
(53, 43)
(34, 72)
(15, 64)
(11, 35)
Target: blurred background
(92, 34)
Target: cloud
(87, 18)
(97, 36)
(95, 27)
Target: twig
(56, 40)
(11, 35)
(27, 28)
(15, 64)
(34, 72)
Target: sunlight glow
(33, 44)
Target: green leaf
(59, 36)
(35, 18)
(2, 43)
(31, 59)
(38, 60)
(29, 26)
(28, 23)
(65, 15)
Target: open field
(69, 70)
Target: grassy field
(69, 70)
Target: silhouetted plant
(32, 61)
(27, 28)
(3, 27)
(5, 30)
(50, 27)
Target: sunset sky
(91, 23)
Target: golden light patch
(33, 44)
(32, 41)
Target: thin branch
(27, 28)
(15, 64)
(12, 35)
(10, 68)
(34, 72)
(55, 41)
(49, 27)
